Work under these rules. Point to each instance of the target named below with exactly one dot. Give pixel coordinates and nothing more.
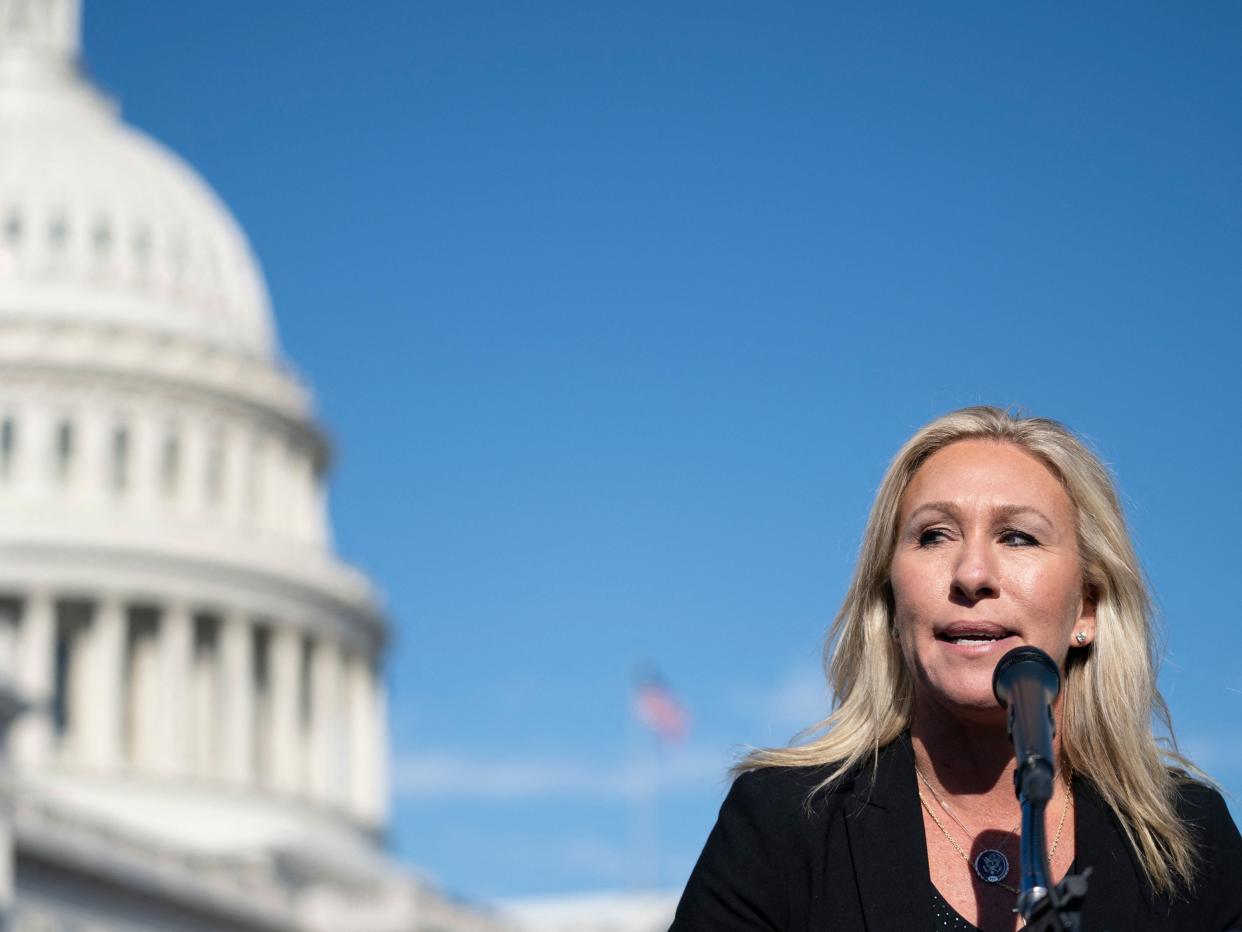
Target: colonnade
(200, 462)
(206, 693)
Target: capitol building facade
(192, 676)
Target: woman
(990, 530)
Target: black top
(856, 859)
(946, 918)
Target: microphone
(1026, 682)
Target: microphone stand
(1043, 907)
(1026, 681)
(1034, 789)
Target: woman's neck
(965, 758)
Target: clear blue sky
(617, 311)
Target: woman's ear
(1084, 629)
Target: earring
(1081, 638)
(894, 634)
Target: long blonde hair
(1109, 696)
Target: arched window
(254, 478)
(142, 246)
(118, 468)
(13, 229)
(216, 466)
(58, 233)
(101, 239)
(8, 446)
(62, 454)
(170, 463)
(305, 694)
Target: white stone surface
(100, 223)
(205, 746)
(594, 912)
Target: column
(237, 477)
(7, 855)
(278, 483)
(288, 754)
(219, 468)
(305, 472)
(96, 716)
(90, 472)
(145, 696)
(256, 480)
(205, 698)
(176, 645)
(324, 756)
(360, 733)
(379, 751)
(191, 488)
(32, 468)
(237, 641)
(146, 438)
(35, 675)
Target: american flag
(657, 708)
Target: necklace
(991, 866)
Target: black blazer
(857, 860)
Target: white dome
(100, 223)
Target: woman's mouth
(974, 634)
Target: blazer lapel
(885, 832)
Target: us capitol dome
(198, 733)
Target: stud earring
(1081, 638)
(894, 634)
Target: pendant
(991, 866)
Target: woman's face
(986, 559)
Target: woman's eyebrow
(1002, 511)
(1010, 511)
(947, 508)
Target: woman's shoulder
(776, 786)
(1194, 798)
(753, 872)
(1219, 882)
(782, 796)
(812, 789)
(1202, 806)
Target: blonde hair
(1109, 695)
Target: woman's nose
(974, 575)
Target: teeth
(973, 639)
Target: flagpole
(644, 820)
(634, 796)
(658, 719)
(651, 800)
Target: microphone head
(1025, 661)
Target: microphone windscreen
(1045, 668)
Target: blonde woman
(990, 530)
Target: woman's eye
(1018, 539)
(932, 536)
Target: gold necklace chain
(952, 815)
(958, 848)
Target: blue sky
(617, 311)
